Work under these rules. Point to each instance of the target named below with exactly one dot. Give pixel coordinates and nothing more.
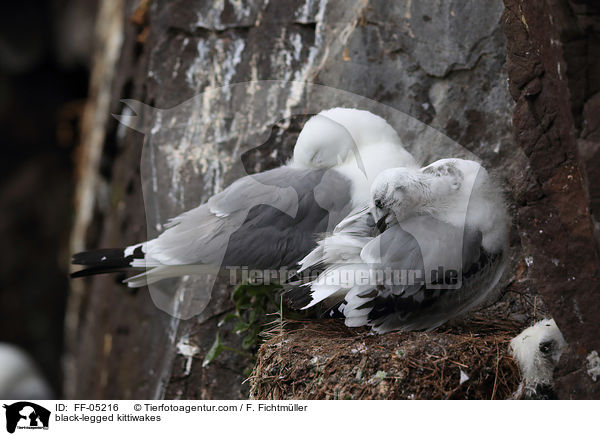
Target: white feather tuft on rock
(19, 377)
(537, 350)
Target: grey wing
(425, 292)
(267, 220)
(395, 266)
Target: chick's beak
(381, 215)
(382, 224)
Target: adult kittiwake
(271, 219)
(431, 246)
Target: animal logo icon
(26, 415)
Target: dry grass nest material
(326, 360)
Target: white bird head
(537, 350)
(406, 192)
(323, 143)
(399, 193)
(337, 135)
(457, 191)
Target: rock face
(553, 76)
(435, 69)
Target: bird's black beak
(381, 222)
(380, 213)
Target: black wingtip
(103, 261)
(95, 270)
(104, 256)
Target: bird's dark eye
(545, 347)
(378, 203)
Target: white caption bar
(297, 417)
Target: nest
(315, 360)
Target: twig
(281, 314)
(496, 375)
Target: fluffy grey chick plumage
(449, 214)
